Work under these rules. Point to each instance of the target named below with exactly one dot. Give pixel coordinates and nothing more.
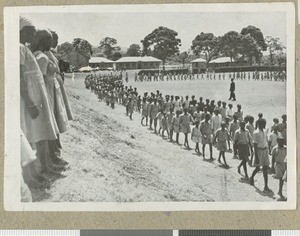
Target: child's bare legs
(142, 120)
(224, 159)
(203, 150)
(159, 131)
(146, 120)
(280, 188)
(186, 142)
(155, 125)
(130, 116)
(219, 158)
(177, 137)
(151, 121)
(256, 170)
(171, 135)
(210, 150)
(265, 174)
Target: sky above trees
(131, 28)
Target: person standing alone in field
(232, 90)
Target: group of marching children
(209, 124)
(253, 76)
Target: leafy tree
(183, 57)
(229, 44)
(274, 47)
(257, 35)
(64, 48)
(207, 44)
(134, 50)
(117, 56)
(109, 45)
(162, 42)
(249, 49)
(82, 46)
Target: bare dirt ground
(114, 159)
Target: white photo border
(12, 171)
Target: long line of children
(253, 76)
(213, 125)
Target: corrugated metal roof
(221, 60)
(99, 60)
(137, 59)
(199, 60)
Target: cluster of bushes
(165, 72)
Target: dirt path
(115, 159)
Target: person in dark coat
(232, 90)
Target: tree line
(247, 45)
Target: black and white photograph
(150, 107)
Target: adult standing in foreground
(37, 119)
(232, 90)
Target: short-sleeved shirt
(261, 138)
(242, 137)
(234, 126)
(222, 135)
(279, 154)
(205, 128)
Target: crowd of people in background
(45, 109)
(181, 76)
(205, 122)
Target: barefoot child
(130, 106)
(242, 140)
(278, 161)
(222, 137)
(164, 124)
(206, 132)
(184, 122)
(170, 116)
(196, 136)
(176, 126)
(159, 117)
(260, 141)
(144, 111)
(153, 114)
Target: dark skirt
(243, 151)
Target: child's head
(235, 117)
(276, 121)
(207, 117)
(224, 104)
(219, 103)
(280, 141)
(239, 107)
(193, 97)
(251, 119)
(261, 123)
(260, 115)
(242, 125)
(216, 111)
(230, 106)
(227, 119)
(223, 125)
(246, 119)
(186, 97)
(284, 118)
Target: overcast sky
(130, 28)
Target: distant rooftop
(137, 59)
(99, 60)
(221, 60)
(199, 60)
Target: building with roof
(100, 62)
(133, 63)
(198, 65)
(221, 62)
